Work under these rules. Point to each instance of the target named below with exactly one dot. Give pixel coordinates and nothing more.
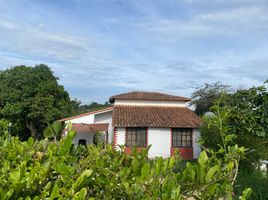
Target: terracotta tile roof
(154, 116)
(88, 113)
(154, 96)
(89, 128)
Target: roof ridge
(158, 106)
(153, 96)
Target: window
(82, 142)
(136, 137)
(181, 138)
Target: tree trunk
(31, 127)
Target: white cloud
(114, 52)
(218, 21)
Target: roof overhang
(150, 96)
(90, 128)
(88, 113)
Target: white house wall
(87, 137)
(160, 140)
(196, 146)
(88, 119)
(120, 133)
(105, 117)
(149, 103)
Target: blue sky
(99, 48)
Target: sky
(100, 48)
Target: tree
(79, 108)
(204, 97)
(246, 118)
(30, 98)
(249, 119)
(250, 110)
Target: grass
(255, 179)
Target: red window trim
(115, 138)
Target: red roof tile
(154, 96)
(154, 116)
(89, 128)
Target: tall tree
(31, 97)
(247, 119)
(204, 97)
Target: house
(140, 119)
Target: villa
(140, 119)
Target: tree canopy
(204, 97)
(247, 118)
(79, 108)
(30, 98)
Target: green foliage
(45, 170)
(250, 111)
(30, 97)
(257, 145)
(54, 130)
(3, 126)
(247, 120)
(255, 179)
(60, 170)
(203, 98)
(97, 139)
(210, 134)
(79, 108)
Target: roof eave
(112, 100)
(88, 113)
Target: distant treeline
(79, 108)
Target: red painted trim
(115, 138)
(125, 142)
(147, 136)
(171, 150)
(185, 153)
(128, 150)
(192, 131)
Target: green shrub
(3, 126)
(46, 170)
(255, 179)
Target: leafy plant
(45, 170)
(3, 126)
(54, 130)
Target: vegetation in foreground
(254, 178)
(246, 119)
(59, 170)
